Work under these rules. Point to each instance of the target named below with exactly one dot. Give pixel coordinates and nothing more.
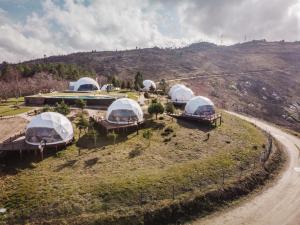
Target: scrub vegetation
(129, 174)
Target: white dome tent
(182, 95)
(124, 111)
(86, 84)
(51, 127)
(174, 87)
(199, 106)
(107, 87)
(147, 85)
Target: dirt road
(278, 205)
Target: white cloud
(108, 25)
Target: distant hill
(258, 77)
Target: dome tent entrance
(148, 84)
(199, 106)
(51, 127)
(124, 111)
(86, 84)
(182, 95)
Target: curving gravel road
(278, 205)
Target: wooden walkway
(211, 119)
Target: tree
(129, 84)
(115, 82)
(62, 108)
(163, 86)
(123, 84)
(82, 123)
(138, 81)
(80, 103)
(156, 108)
(170, 109)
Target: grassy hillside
(133, 175)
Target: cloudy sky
(31, 28)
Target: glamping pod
(147, 85)
(51, 127)
(181, 95)
(86, 84)
(107, 87)
(124, 111)
(199, 106)
(174, 87)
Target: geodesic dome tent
(51, 127)
(107, 87)
(174, 87)
(86, 84)
(182, 95)
(199, 106)
(124, 111)
(147, 85)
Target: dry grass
(104, 180)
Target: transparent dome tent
(51, 127)
(182, 95)
(147, 85)
(124, 111)
(174, 87)
(199, 106)
(86, 84)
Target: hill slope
(259, 78)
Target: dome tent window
(86, 84)
(54, 128)
(199, 106)
(123, 111)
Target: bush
(46, 108)
(146, 95)
(170, 109)
(62, 108)
(161, 118)
(135, 152)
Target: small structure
(199, 106)
(174, 87)
(181, 95)
(107, 87)
(85, 84)
(124, 111)
(148, 84)
(122, 115)
(49, 127)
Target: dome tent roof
(199, 105)
(49, 123)
(174, 87)
(123, 111)
(182, 95)
(86, 81)
(148, 83)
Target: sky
(33, 28)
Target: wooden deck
(109, 127)
(211, 119)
